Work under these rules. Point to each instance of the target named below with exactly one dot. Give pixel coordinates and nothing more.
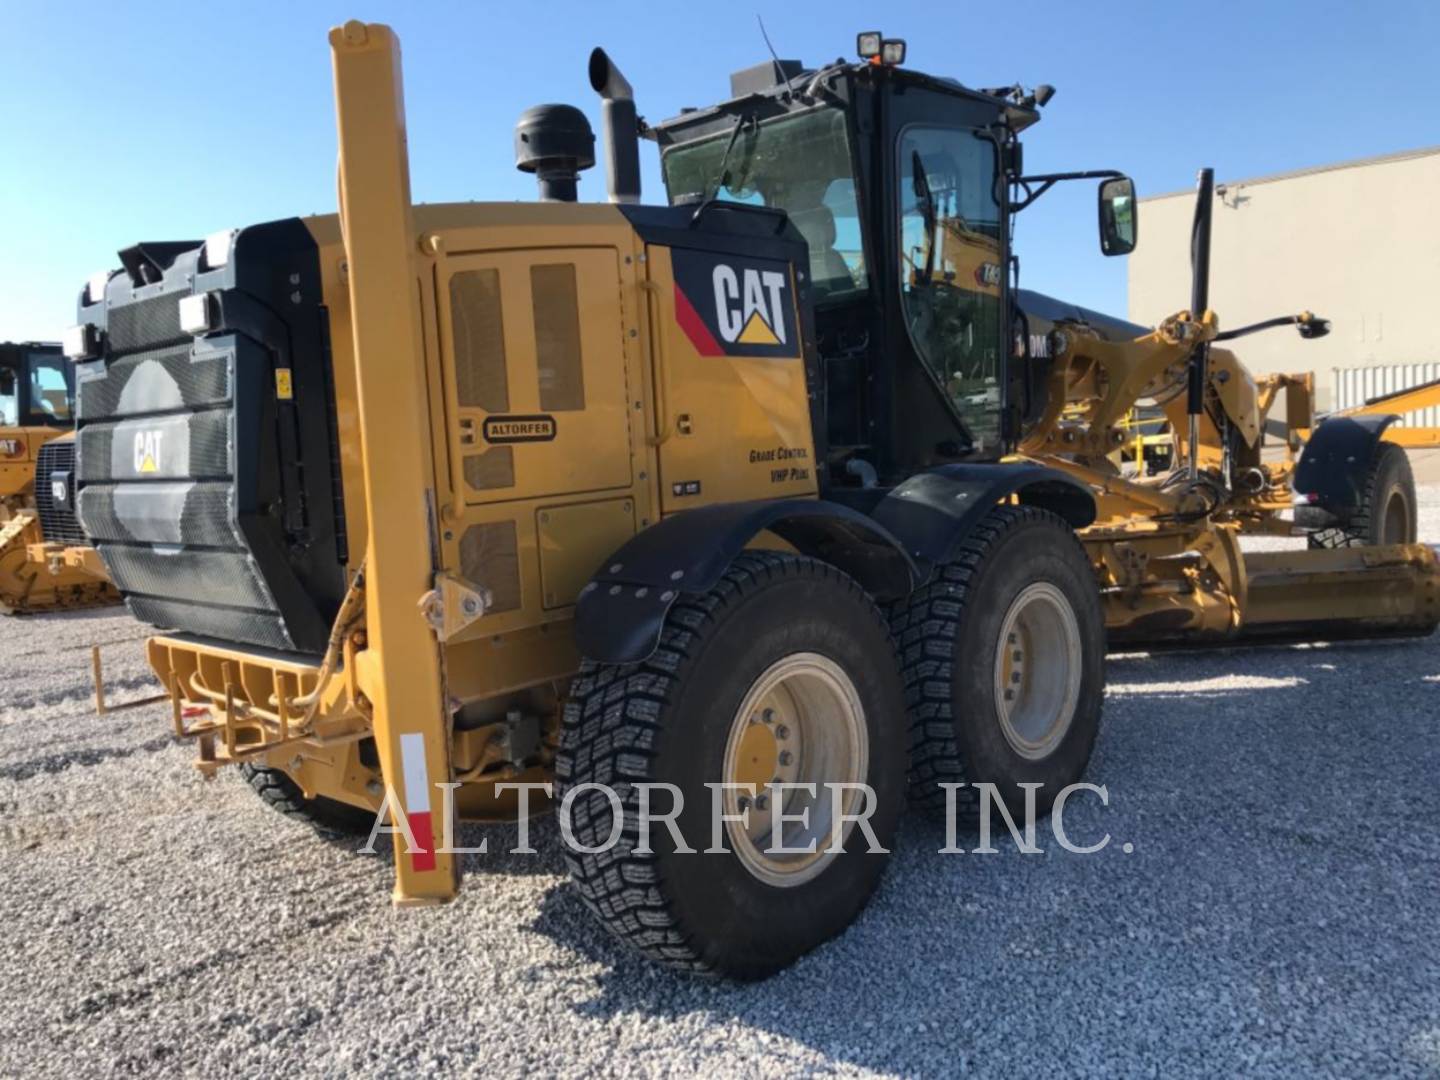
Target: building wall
(1357, 243)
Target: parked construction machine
(783, 487)
(45, 562)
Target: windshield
(49, 387)
(799, 164)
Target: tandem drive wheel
(1003, 656)
(784, 673)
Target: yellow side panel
(730, 427)
(535, 373)
(575, 540)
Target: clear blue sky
(168, 120)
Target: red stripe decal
(423, 858)
(694, 326)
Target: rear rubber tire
(948, 633)
(1387, 513)
(670, 719)
(329, 817)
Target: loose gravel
(1276, 912)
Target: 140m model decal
(731, 305)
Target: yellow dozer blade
(36, 576)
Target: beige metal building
(1357, 242)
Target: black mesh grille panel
(489, 556)
(165, 447)
(57, 522)
(146, 324)
(192, 514)
(202, 577)
(224, 624)
(155, 381)
(480, 378)
(557, 337)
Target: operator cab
(904, 185)
(37, 386)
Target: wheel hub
(801, 722)
(1038, 666)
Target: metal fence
(1355, 386)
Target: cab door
(952, 270)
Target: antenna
(779, 68)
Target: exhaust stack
(621, 128)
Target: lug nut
(768, 716)
(782, 732)
(761, 802)
(786, 757)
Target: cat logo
(59, 492)
(749, 312)
(147, 451)
(987, 275)
(730, 305)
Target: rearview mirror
(1118, 216)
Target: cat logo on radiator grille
(147, 451)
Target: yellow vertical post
(402, 673)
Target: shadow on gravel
(1257, 920)
(54, 763)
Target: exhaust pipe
(621, 128)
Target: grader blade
(1360, 592)
(1291, 596)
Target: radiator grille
(193, 446)
(58, 523)
(201, 577)
(225, 624)
(478, 329)
(489, 556)
(154, 381)
(178, 512)
(146, 324)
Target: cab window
(951, 269)
(50, 393)
(800, 164)
(9, 398)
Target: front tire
(1003, 657)
(784, 671)
(1387, 512)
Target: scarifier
(783, 483)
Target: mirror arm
(1049, 180)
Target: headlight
(195, 313)
(95, 287)
(217, 248)
(81, 342)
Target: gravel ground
(1276, 913)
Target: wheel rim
(802, 723)
(1395, 524)
(1038, 665)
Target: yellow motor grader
(45, 562)
(748, 513)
